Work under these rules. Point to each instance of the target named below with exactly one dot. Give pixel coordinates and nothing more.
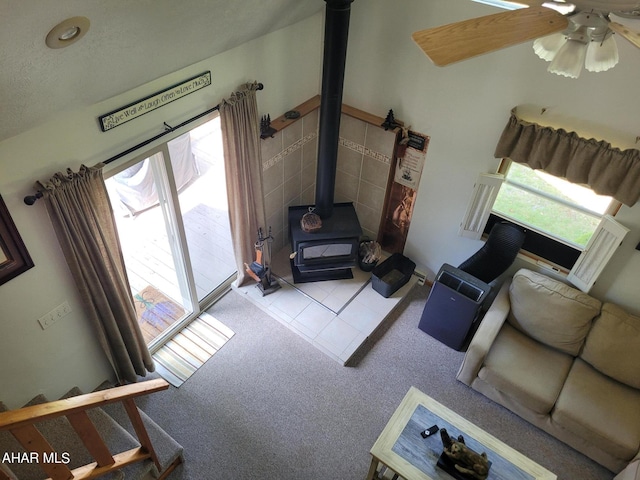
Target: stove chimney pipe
(336, 32)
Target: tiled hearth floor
(335, 316)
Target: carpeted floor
(270, 406)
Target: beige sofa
(565, 362)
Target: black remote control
(429, 431)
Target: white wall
(52, 361)
(464, 107)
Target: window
(551, 206)
(568, 227)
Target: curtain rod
(31, 199)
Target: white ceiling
(128, 44)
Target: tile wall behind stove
(289, 161)
(364, 160)
(289, 172)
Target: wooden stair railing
(22, 425)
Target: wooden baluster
(92, 471)
(33, 441)
(141, 431)
(91, 438)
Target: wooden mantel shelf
(305, 108)
(366, 117)
(313, 103)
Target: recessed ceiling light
(67, 32)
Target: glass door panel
(204, 208)
(140, 199)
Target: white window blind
(599, 250)
(484, 195)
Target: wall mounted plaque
(136, 109)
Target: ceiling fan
(569, 35)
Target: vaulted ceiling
(128, 44)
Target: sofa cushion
(613, 345)
(526, 370)
(550, 311)
(631, 472)
(600, 409)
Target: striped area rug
(187, 351)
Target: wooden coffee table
(401, 449)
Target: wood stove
(327, 254)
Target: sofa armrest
(485, 335)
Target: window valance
(607, 170)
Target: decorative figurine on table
(465, 461)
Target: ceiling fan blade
(462, 40)
(626, 32)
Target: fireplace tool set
(260, 270)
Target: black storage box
(390, 275)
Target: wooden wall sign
(407, 167)
(148, 104)
(410, 164)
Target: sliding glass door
(171, 209)
(204, 211)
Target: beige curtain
(607, 170)
(79, 208)
(240, 124)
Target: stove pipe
(336, 32)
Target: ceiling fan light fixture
(502, 4)
(601, 56)
(547, 47)
(570, 58)
(560, 6)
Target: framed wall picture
(14, 257)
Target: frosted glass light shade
(569, 59)
(601, 56)
(547, 47)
